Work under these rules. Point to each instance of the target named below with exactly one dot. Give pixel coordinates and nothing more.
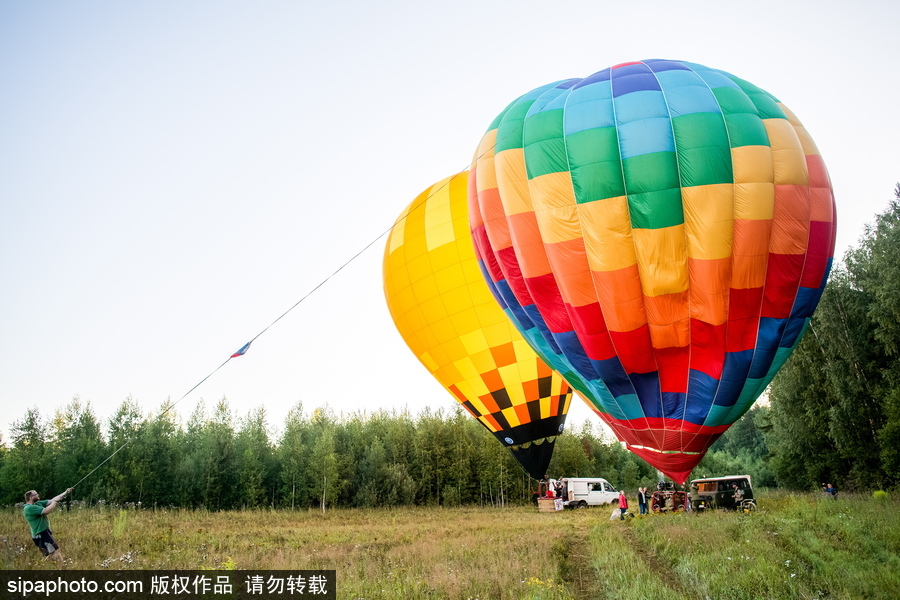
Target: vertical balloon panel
(661, 232)
(446, 314)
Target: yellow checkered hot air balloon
(448, 317)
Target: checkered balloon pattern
(445, 312)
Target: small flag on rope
(242, 351)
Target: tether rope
(246, 346)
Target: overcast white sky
(176, 175)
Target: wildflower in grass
(104, 564)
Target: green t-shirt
(36, 520)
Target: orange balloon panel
(448, 317)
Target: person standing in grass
(36, 511)
(737, 495)
(642, 500)
(623, 505)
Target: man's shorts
(45, 542)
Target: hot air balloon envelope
(661, 233)
(441, 306)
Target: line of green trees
(218, 461)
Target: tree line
(218, 461)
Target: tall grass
(797, 546)
(378, 553)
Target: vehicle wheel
(582, 504)
(748, 506)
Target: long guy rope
(246, 346)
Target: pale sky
(176, 175)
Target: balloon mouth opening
(536, 449)
(675, 465)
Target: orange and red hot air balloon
(660, 232)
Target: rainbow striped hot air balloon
(448, 318)
(661, 233)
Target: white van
(581, 492)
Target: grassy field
(796, 546)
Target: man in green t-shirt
(36, 511)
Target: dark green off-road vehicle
(719, 492)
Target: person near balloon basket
(623, 506)
(737, 496)
(642, 500)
